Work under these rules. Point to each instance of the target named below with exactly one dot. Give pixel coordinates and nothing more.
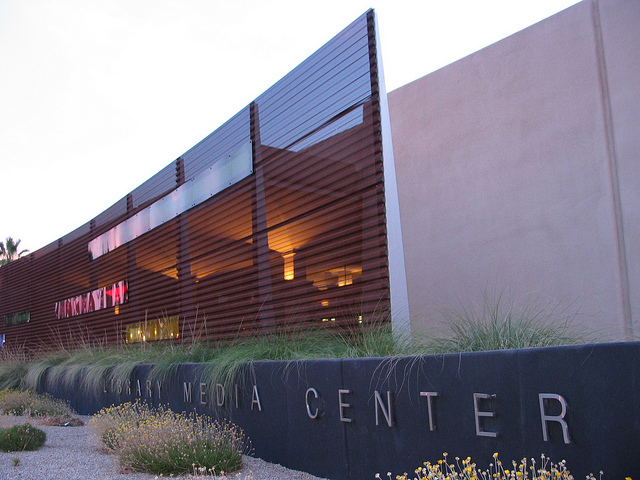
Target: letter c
(306, 401)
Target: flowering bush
(31, 404)
(160, 441)
(465, 469)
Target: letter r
(553, 418)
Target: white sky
(97, 96)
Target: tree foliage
(9, 250)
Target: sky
(98, 96)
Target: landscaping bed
(75, 453)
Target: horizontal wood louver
(301, 238)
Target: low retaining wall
(349, 419)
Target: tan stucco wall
(506, 164)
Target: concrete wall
(348, 419)
(518, 170)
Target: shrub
(159, 441)
(21, 437)
(30, 404)
(465, 469)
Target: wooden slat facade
(300, 239)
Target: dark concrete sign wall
(349, 419)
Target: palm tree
(9, 251)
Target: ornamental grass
(88, 363)
(160, 441)
(500, 323)
(465, 469)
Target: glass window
(153, 330)
(17, 318)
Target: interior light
(116, 310)
(345, 277)
(325, 303)
(289, 272)
(151, 330)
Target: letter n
(386, 411)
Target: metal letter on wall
(545, 418)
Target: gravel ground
(73, 453)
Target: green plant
(499, 324)
(15, 461)
(465, 469)
(160, 441)
(89, 364)
(19, 438)
(14, 367)
(15, 402)
(9, 251)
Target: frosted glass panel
(222, 173)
